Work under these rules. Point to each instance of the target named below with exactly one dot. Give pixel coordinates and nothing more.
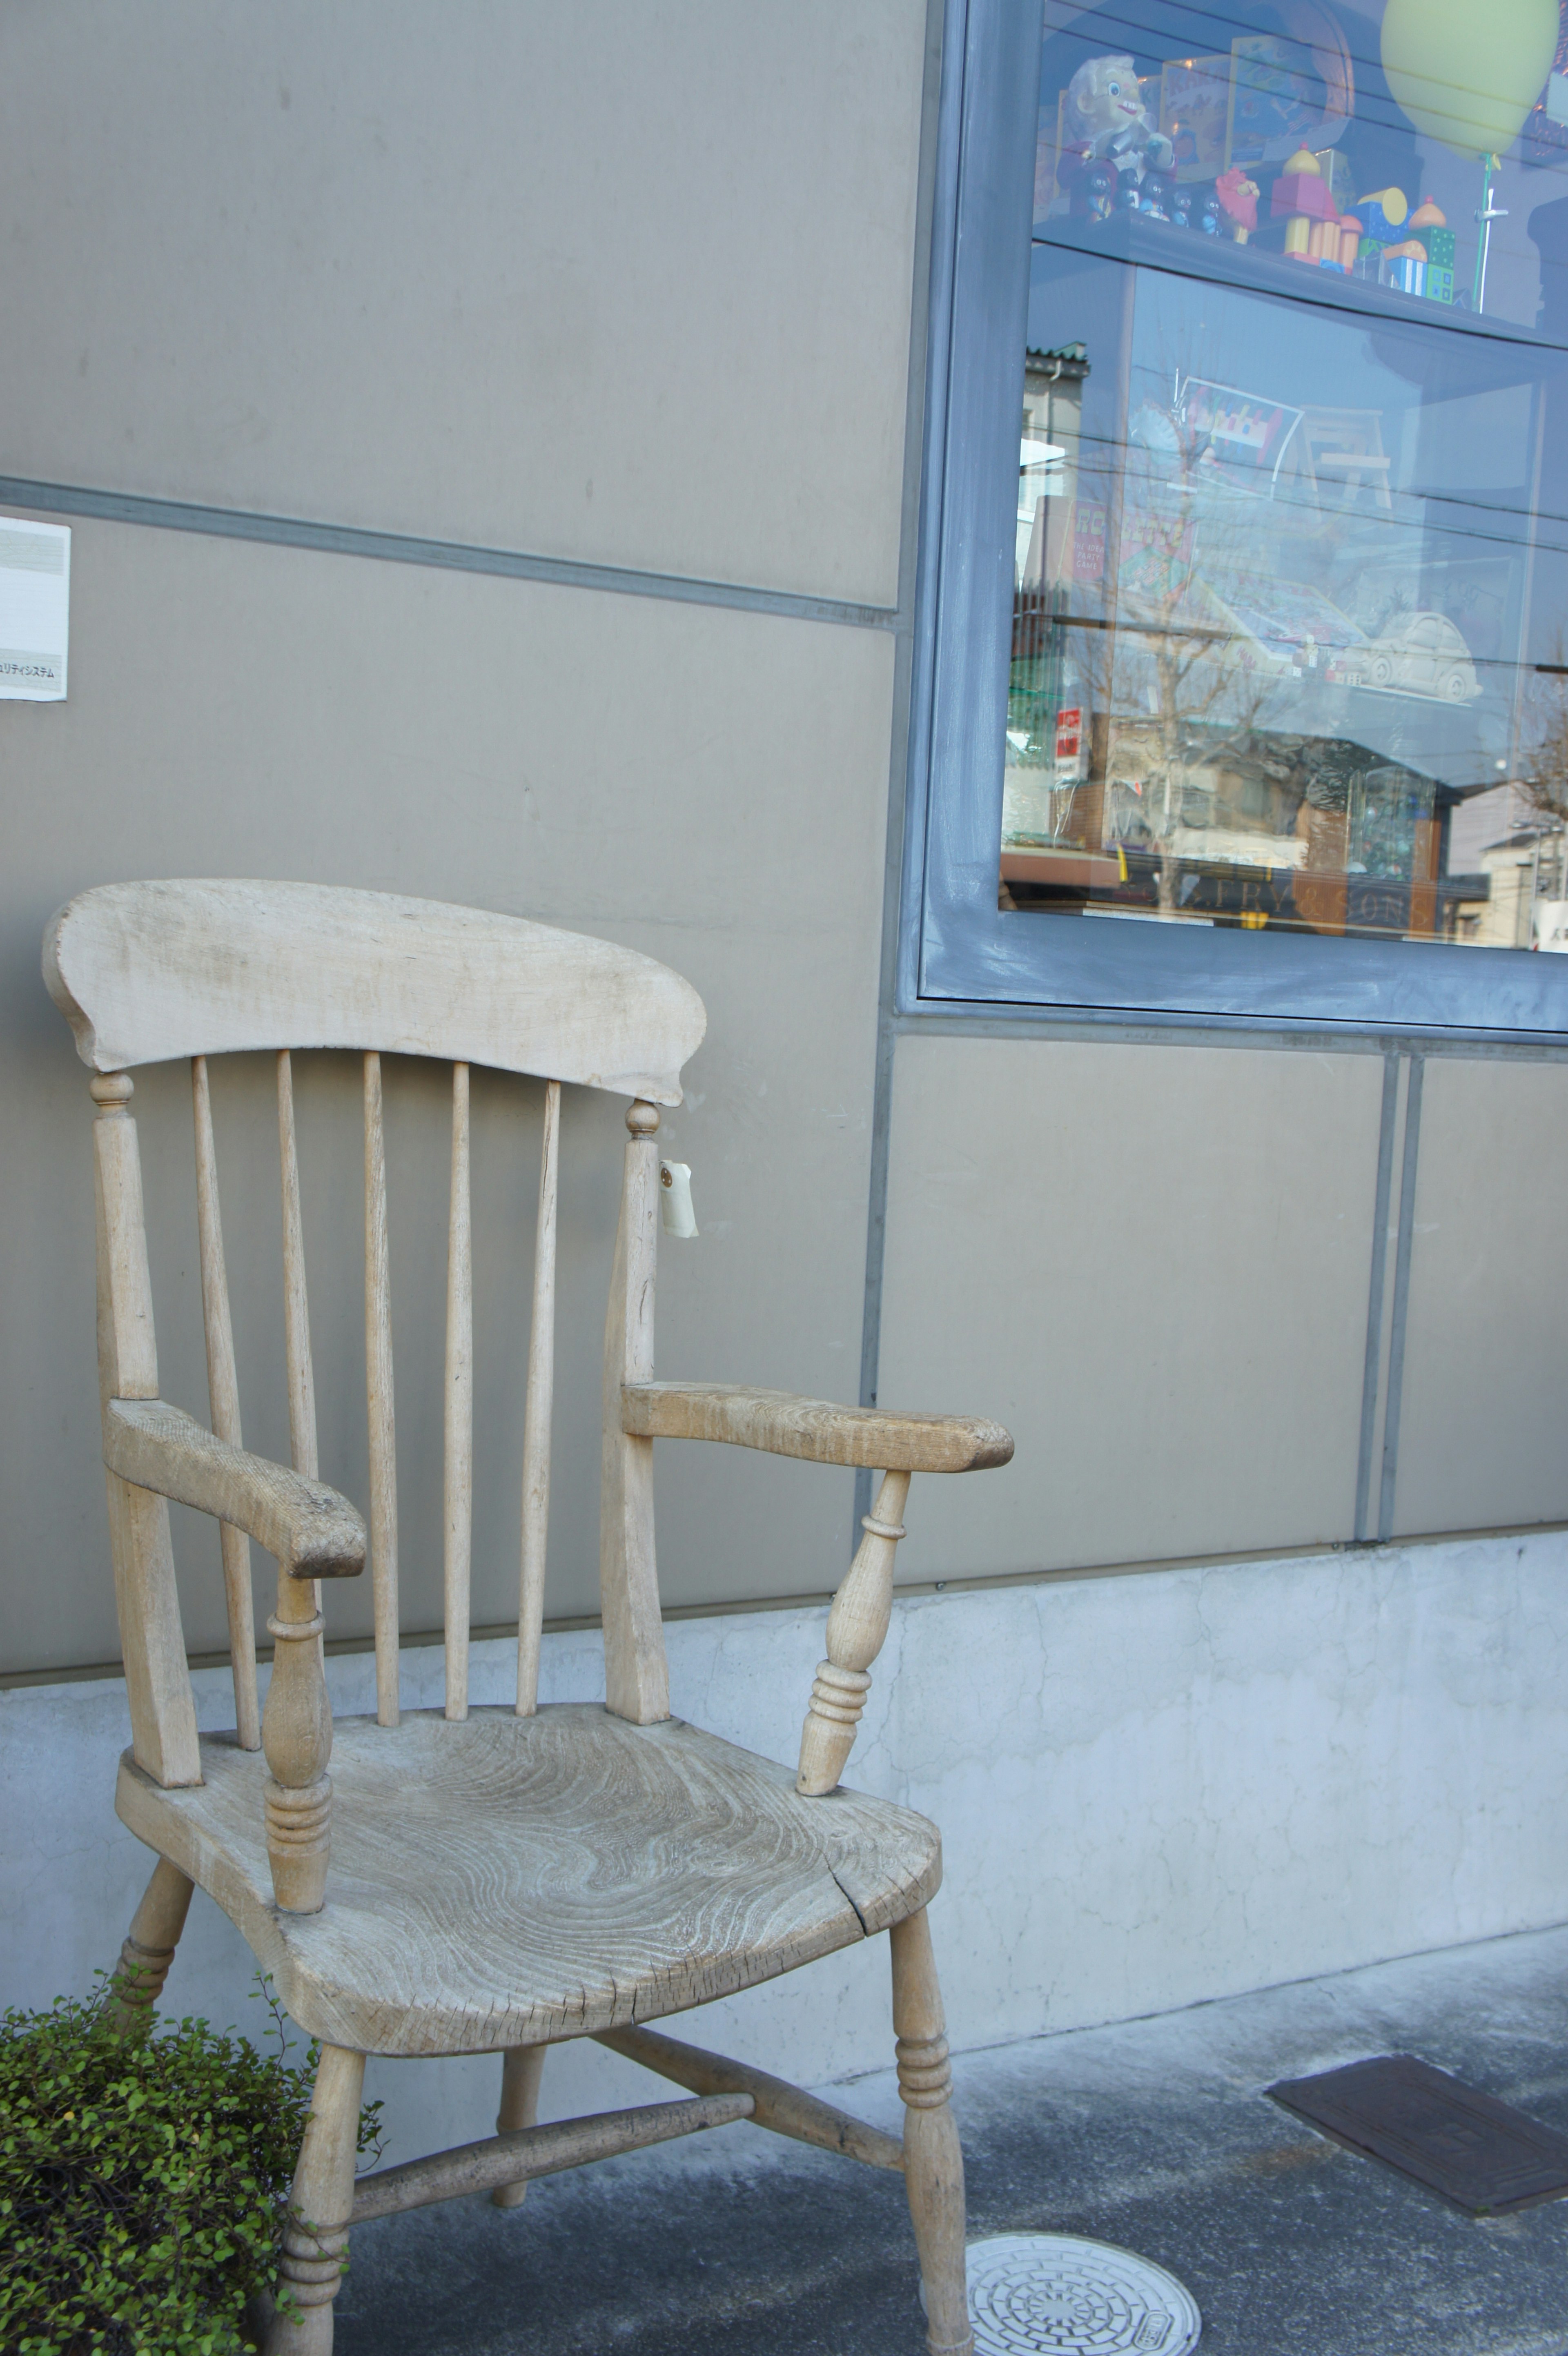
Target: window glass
(1290, 642)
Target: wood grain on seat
(502, 1881)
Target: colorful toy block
(1383, 214)
(1302, 192)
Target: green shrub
(142, 2181)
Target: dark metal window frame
(957, 950)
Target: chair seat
(499, 1880)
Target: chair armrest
(313, 1531)
(788, 1425)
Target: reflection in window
(1291, 625)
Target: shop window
(1248, 601)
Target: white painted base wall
(1153, 1789)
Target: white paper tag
(676, 1199)
(35, 609)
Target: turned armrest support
(897, 1446)
(314, 1532)
(787, 1425)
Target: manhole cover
(1053, 2295)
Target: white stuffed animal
(1105, 115)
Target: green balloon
(1468, 74)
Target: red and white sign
(1070, 743)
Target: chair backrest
(146, 972)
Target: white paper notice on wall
(35, 609)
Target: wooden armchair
(487, 1880)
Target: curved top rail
(143, 972)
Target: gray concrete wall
(1153, 1789)
(612, 282)
(1151, 1262)
(1154, 1262)
(635, 288)
(574, 284)
(585, 761)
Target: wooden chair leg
(933, 2161)
(521, 2070)
(146, 1954)
(315, 2238)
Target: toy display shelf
(1161, 245)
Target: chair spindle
(295, 1301)
(297, 1723)
(458, 1481)
(380, 1413)
(637, 1676)
(857, 1629)
(223, 1398)
(537, 1415)
(157, 1680)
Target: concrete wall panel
(1151, 1262)
(1481, 1441)
(615, 282)
(709, 786)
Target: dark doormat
(1481, 2154)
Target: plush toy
(1239, 200)
(1154, 194)
(1093, 190)
(1208, 217)
(1105, 118)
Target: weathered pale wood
(148, 1950)
(127, 1351)
(458, 1475)
(223, 1404)
(509, 1878)
(521, 2070)
(789, 1426)
(537, 1413)
(857, 1629)
(786, 2110)
(152, 1645)
(933, 2158)
(380, 1410)
(296, 1736)
(537, 2151)
(146, 971)
(637, 1679)
(309, 1527)
(515, 1880)
(296, 1297)
(321, 2204)
(296, 1724)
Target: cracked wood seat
(500, 1881)
(480, 1879)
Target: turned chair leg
(139, 1975)
(315, 2238)
(521, 2070)
(933, 2161)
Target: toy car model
(1425, 654)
